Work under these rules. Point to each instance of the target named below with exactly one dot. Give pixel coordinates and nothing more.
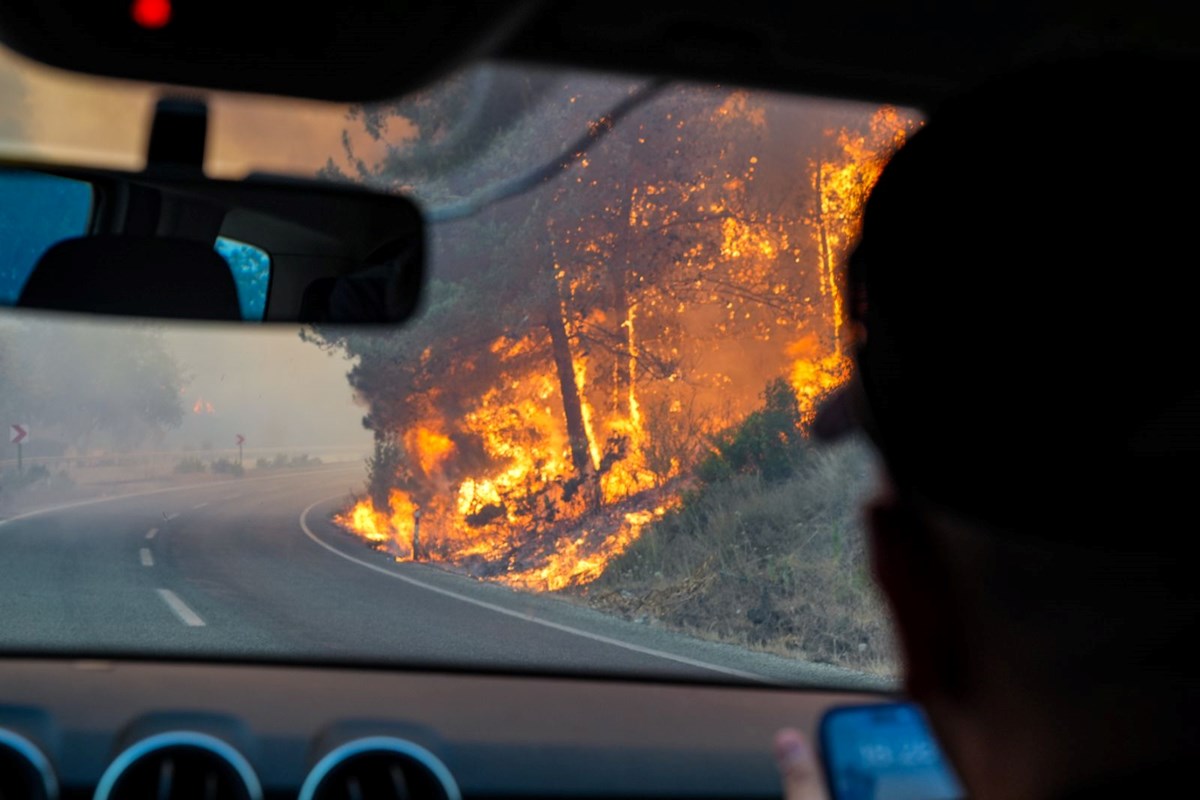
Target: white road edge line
(150, 534)
(37, 512)
(147, 557)
(185, 614)
(199, 505)
(169, 517)
(691, 662)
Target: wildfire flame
(202, 406)
(432, 448)
(558, 466)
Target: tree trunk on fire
(829, 285)
(581, 455)
(622, 372)
(624, 365)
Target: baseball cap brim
(839, 414)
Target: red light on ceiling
(151, 14)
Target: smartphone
(884, 751)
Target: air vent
(179, 765)
(24, 769)
(380, 768)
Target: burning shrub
(768, 442)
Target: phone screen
(884, 752)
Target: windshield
(588, 453)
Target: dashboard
(142, 729)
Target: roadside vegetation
(34, 476)
(190, 464)
(765, 551)
(282, 461)
(225, 466)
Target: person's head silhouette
(1024, 293)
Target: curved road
(253, 568)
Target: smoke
(265, 383)
(88, 383)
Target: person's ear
(913, 574)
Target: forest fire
(534, 448)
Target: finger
(798, 767)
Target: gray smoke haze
(266, 384)
(93, 384)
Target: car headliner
(874, 50)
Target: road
(253, 568)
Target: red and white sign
(240, 439)
(18, 433)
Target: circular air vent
(380, 768)
(176, 765)
(24, 770)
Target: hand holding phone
(884, 751)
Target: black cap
(1025, 296)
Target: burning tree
(584, 341)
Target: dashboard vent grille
(380, 768)
(24, 770)
(181, 765)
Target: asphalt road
(253, 568)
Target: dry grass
(775, 566)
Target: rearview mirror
(169, 242)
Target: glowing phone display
(884, 752)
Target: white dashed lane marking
(180, 608)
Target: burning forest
(583, 343)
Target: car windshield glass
(588, 453)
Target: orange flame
(431, 447)
(842, 185)
(510, 491)
(814, 375)
(394, 526)
(572, 563)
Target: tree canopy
(583, 342)
(88, 384)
